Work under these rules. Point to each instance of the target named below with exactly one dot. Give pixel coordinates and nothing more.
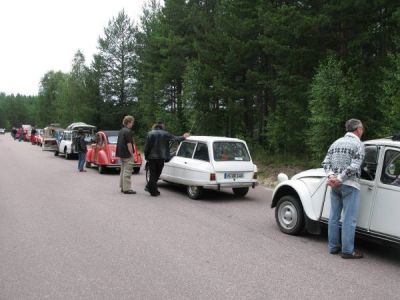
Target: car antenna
(194, 123)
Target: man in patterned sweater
(343, 167)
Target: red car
(102, 153)
(37, 139)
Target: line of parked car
(199, 162)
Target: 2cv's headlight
(282, 177)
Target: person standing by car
(14, 133)
(125, 151)
(21, 134)
(81, 147)
(33, 136)
(343, 167)
(156, 152)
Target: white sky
(37, 36)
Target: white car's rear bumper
(219, 186)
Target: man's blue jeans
(81, 161)
(346, 198)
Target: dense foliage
(284, 75)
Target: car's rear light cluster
(213, 177)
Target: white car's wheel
(289, 215)
(194, 192)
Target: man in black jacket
(81, 147)
(156, 152)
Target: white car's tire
(194, 192)
(289, 215)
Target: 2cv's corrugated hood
(310, 173)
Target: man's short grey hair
(352, 125)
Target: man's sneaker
(129, 192)
(157, 193)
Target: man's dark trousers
(155, 166)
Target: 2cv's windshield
(230, 151)
(112, 139)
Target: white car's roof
(79, 124)
(383, 142)
(212, 139)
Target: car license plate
(233, 175)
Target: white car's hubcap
(288, 215)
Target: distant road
(71, 235)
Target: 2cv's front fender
(298, 189)
(102, 158)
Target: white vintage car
(304, 200)
(206, 162)
(66, 146)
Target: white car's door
(62, 143)
(197, 170)
(385, 214)
(368, 186)
(174, 170)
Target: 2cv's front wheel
(289, 215)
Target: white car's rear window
(230, 151)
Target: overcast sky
(37, 36)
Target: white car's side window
(391, 168)
(370, 163)
(186, 149)
(201, 152)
